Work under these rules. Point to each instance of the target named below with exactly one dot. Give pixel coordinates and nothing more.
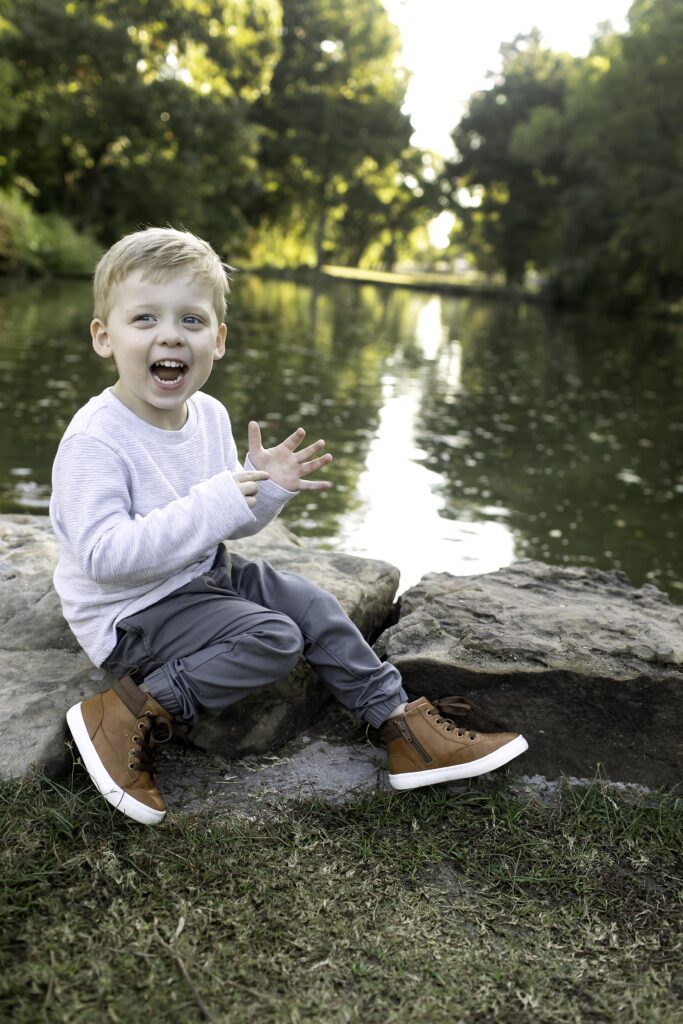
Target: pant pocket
(131, 655)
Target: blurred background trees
(276, 129)
(137, 111)
(574, 167)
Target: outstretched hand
(284, 464)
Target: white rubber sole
(431, 776)
(111, 792)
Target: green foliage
(43, 243)
(578, 164)
(335, 151)
(621, 231)
(229, 117)
(510, 223)
(275, 129)
(137, 111)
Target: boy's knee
(284, 635)
(324, 607)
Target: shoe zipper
(408, 736)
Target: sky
(449, 45)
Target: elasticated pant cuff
(159, 684)
(377, 714)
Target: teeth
(168, 362)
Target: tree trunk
(93, 189)
(322, 225)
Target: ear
(219, 349)
(100, 338)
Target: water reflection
(401, 516)
(465, 433)
(571, 427)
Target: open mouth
(168, 372)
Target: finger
(249, 493)
(310, 467)
(254, 435)
(294, 440)
(314, 485)
(307, 453)
(250, 474)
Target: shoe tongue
(130, 693)
(419, 702)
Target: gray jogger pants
(241, 626)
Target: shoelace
(150, 731)
(449, 709)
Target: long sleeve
(140, 511)
(114, 545)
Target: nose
(169, 333)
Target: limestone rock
(43, 672)
(586, 665)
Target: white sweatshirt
(139, 511)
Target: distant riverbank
(440, 282)
(433, 281)
(420, 280)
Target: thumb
(254, 434)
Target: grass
(426, 907)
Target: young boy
(146, 487)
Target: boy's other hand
(248, 482)
(284, 464)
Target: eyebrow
(146, 307)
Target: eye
(192, 320)
(143, 318)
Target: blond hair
(159, 253)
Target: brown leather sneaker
(426, 745)
(116, 732)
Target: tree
(332, 113)
(579, 164)
(136, 110)
(622, 225)
(384, 206)
(507, 228)
(213, 114)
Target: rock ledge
(587, 666)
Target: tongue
(167, 373)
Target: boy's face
(164, 337)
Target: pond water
(466, 433)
